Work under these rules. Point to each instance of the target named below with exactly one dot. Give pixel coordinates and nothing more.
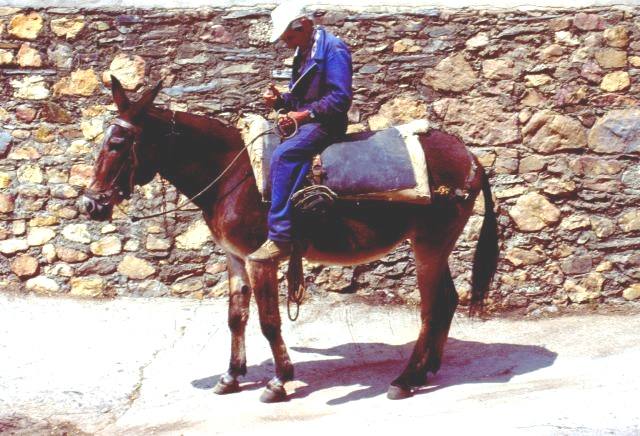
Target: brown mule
(190, 150)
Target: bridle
(105, 197)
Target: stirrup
(316, 199)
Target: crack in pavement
(135, 393)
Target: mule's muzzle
(95, 209)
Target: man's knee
(287, 151)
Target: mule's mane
(200, 125)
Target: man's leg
(290, 164)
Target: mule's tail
(485, 260)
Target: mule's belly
(359, 233)
(348, 258)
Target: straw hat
(283, 15)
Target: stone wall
(547, 99)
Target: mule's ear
(146, 100)
(119, 96)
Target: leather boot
(271, 251)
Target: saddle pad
(383, 165)
(261, 147)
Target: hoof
(273, 394)
(223, 388)
(399, 393)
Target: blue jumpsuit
(321, 83)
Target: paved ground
(134, 366)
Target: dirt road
(134, 366)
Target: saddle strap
(465, 192)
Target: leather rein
(108, 194)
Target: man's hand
(271, 95)
(285, 121)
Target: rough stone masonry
(548, 99)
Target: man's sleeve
(338, 95)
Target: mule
(189, 150)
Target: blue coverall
(321, 85)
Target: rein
(275, 129)
(206, 188)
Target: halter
(137, 131)
(105, 197)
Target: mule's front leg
(239, 298)
(263, 278)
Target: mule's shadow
(370, 367)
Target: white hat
(283, 15)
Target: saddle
(384, 165)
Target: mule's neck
(193, 150)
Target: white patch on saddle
(410, 132)
(252, 128)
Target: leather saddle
(386, 165)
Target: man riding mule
(186, 149)
(317, 102)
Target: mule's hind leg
(239, 298)
(263, 277)
(446, 302)
(431, 250)
(430, 266)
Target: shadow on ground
(369, 367)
